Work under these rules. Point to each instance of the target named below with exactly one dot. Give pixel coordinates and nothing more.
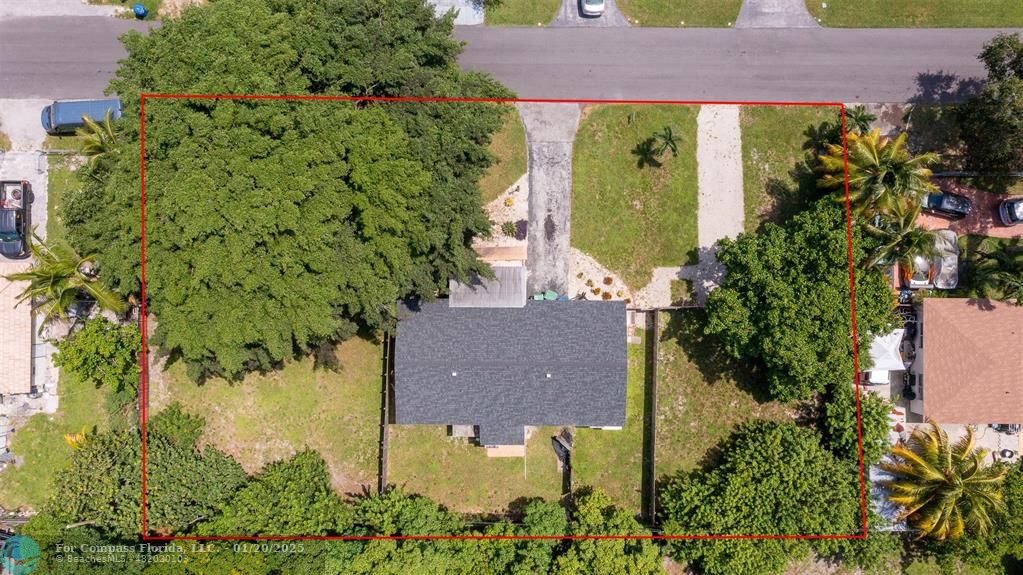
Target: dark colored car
(15, 198)
(1010, 211)
(948, 204)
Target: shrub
(606, 295)
(608, 280)
(508, 229)
(589, 283)
(596, 291)
(102, 353)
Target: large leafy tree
(882, 172)
(900, 239)
(775, 478)
(992, 120)
(785, 301)
(944, 489)
(594, 514)
(277, 226)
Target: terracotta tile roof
(972, 361)
(15, 334)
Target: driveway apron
(569, 16)
(550, 132)
(775, 14)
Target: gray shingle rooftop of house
(507, 289)
(548, 363)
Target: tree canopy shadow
(686, 329)
(944, 88)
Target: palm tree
(943, 488)
(665, 140)
(881, 172)
(99, 142)
(999, 274)
(901, 240)
(60, 277)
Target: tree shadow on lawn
(686, 328)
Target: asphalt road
(72, 57)
(58, 57)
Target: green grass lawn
(509, 147)
(269, 417)
(654, 208)
(772, 147)
(40, 442)
(918, 13)
(61, 179)
(612, 460)
(423, 459)
(65, 143)
(702, 394)
(675, 13)
(520, 12)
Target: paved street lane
(60, 56)
(64, 57)
(731, 65)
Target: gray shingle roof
(489, 367)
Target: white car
(592, 7)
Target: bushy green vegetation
(797, 276)
(293, 246)
(615, 171)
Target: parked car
(941, 272)
(591, 7)
(948, 204)
(15, 198)
(66, 117)
(1010, 211)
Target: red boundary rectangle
(143, 394)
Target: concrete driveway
(550, 133)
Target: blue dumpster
(140, 11)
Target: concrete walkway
(569, 16)
(775, 14)
(550, 132)
(721, 207)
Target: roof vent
(548, 376)
(454, 374)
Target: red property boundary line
(143, 395)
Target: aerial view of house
(502, 363)
(552, 287)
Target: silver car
(591, 7)
(1010, 211)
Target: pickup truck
(15, 197)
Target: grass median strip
(677, 13)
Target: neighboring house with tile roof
(502, 369)
(969, 362)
